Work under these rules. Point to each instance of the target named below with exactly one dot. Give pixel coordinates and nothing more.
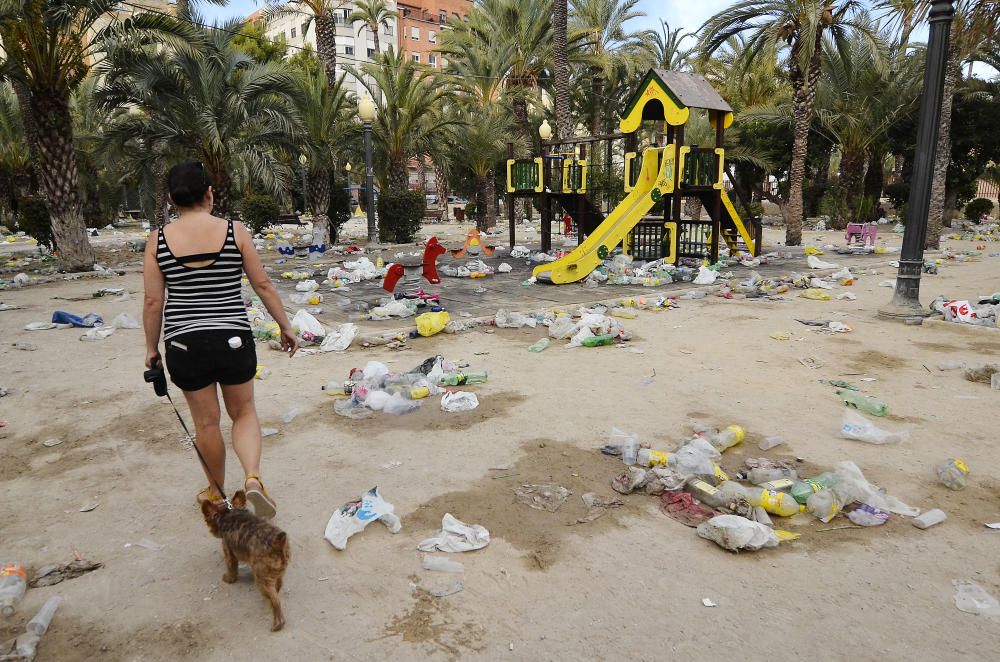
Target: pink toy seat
(864, 233)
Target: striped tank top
(203, 298)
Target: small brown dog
(247, 538)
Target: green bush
(33, 218)
(259, 212)
(400, 215)
(976, 208)
(834, 205)
(471, 213)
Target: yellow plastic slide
(587, 256)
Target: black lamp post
(906, 300)
(366, 111)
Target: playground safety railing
(524, 175)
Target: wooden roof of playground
(674, 93)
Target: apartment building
(355, 42)
(421, 23)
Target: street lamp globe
(366, 110)
(545, 131)
(303, 159)
(348, 166)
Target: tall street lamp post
(366, 112)
(303, 160)
(906, 300)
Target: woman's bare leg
(204, 405)
(246, 427)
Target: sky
(686, 14)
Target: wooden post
(580, 208)
(607, 174)
(510, 200)
(717, 196)
(675, 213)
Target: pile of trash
(986, 312)
(736, 511)
(97, 329)
(374, 388)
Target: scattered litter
(456, 536)
(268, 432)
(857, 427)
(98, 333)
(459, 401)
(355, 515)
(146, 543)
(811, 363)
(597, 506)
(930, 518)
(781, 335)
(390, 465)
(816, 263)
(341, 339)
(49, 443)
(125, 321)
(847, 296)
(972, 598)
(442, 564)
(993, 525)
(983, 374)
(290, 415)
(454, 587)
(542, 497)
(50, 575)
(541, 345)
(737, 533)
(25, 346)
(705, 276)
(648, 380)
(708, 602)
(89, 507)
(505, 268)
(681, 507)
(768, 443)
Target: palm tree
(14, 157)
(560, 68)
(667, 50)
(183, 8)
(372, 13)
(610, 45)
(320, 12)
(214, 104)
(409, 102)
(49, 46)
(325, 119)
(800, 26)
(481, 142)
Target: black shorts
(201, 358)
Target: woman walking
(198, 260)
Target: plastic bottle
(952, 473)
(40, 623)
(762, 475)
(707, 494)
(929, 519)
(13, 584)
(776, 503)
(263, 372)
(824, 505)
(728, 438)
(651, 458)
(409, 392)
(599, 341)
(865, 403)
(339, 389)
(630, 451)
(460, 378)
(804, 489)
(540, 346)
(779, 485)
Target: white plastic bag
(737, 533)
(374, 371)
(307, 327)
(507, 320)
(855, 426)
(98, 333)
(376, 400)
(705, 276)
(853, 486)
(562, 327)
(307, 286)
(816, 263)
(397, 405)
(456, 536)
(125, 321)
(690, 461)
(505, 268)
(341, 339)
(459, 401)
(354, 516)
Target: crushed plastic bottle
(952, 472)
(599, 341)
(707, 494)
(776, 503)
(13, 584)
(824, 505)
(728, 438)
(762, 475)
(541, 345)
(864, 403)
(804, 489)
(460, 378)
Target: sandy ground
(629, 585)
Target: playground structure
(666, 174)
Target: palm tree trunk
(319, 205)
(521, 117)
(491, 199)
(596, 92)
(560, 61)
(326, 46)
(803, 100)
(23, 95)
(398, 175)
(57, 169)
(482, 202)
(223, 191)
(874, 177)
(935, 216)
(374, 29)
(441, 185)
(852, 165)
(161, 213)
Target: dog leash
(228, 503)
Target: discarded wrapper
(354, 516)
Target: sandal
(263, 506)
(206, 490)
